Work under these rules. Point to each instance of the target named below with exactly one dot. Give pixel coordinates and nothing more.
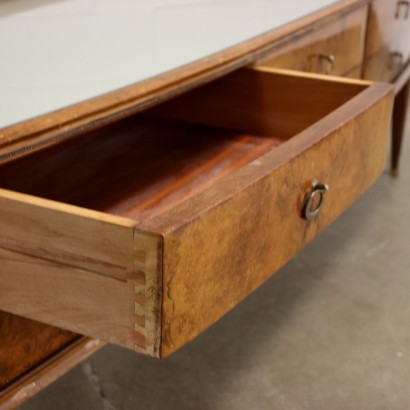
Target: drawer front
(215, 259)
(388, 26)
(153, 284)
(335, 48)
(384, 66)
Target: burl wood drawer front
(145, 232)
(335, 48)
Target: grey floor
(330, 331)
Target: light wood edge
(148, 295)
(224, 189)
(300, 74)
(107, 108)
(53, 368)
(66, 208)
(66, 220)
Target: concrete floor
(330, 331)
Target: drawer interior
(142, 166)
(137, 168)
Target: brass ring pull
(321, 63)
(400, 5)
(313, 201)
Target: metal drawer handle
(401, 4)
(313, 201)
(321, 63)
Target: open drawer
(145, 232)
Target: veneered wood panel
(25, 343)
(250, 225)
(54, 362)
(342, 39)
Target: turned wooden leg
(399, 121)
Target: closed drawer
(334, 48)
(388, 27)
(145, 232)
(385, 65)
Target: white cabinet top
(55, 53)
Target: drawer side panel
(67, 234)
(122, 312)
(67, 297)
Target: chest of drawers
(254, 148)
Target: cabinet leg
(399, 121)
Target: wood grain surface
(254, 215)
(274, 102)
(77, 237)
(25, 343)
(342, 39)
(52, 362)
(136, 168)
(174, 179)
